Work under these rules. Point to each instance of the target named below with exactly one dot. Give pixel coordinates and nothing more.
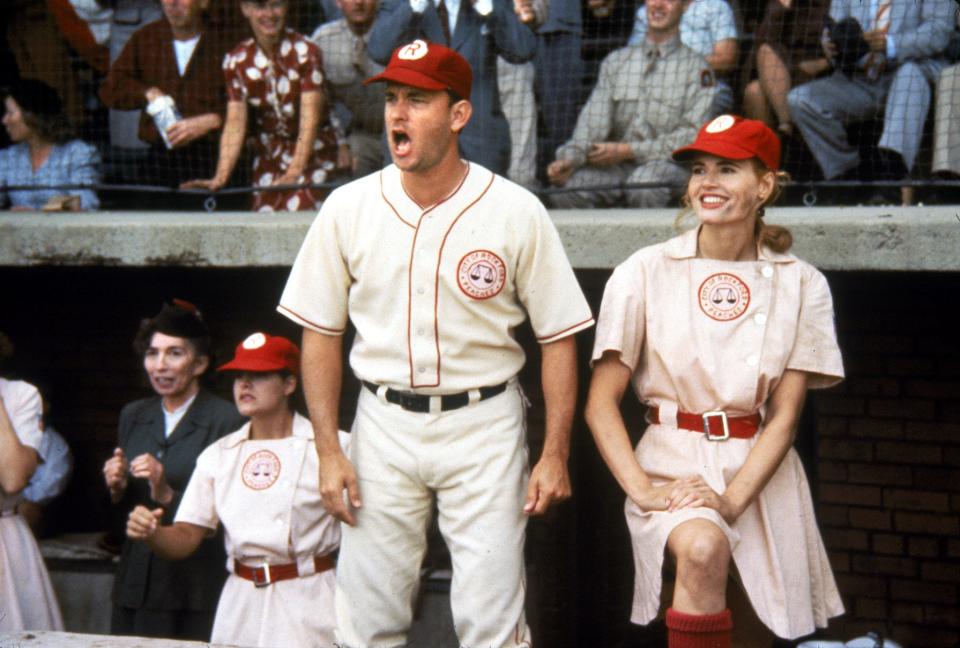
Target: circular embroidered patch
(720, 124)
(481, 274)
(260, 470)
(415, 50)
(724, 297)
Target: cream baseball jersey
(719, 334)
(435, 293)
(267, 495)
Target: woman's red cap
(262, 353)
(735, 138)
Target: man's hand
(143, 523)
(115, 474)
(191, 128)
(604, 154)
(559, 172)
(152, 93)
(336, 475)
(876, 39)
(147, 467)
(549, 483)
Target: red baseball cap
(735, 138)
(428, 66)
(262, 353)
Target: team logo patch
(481, 274)
(720, 124)
(261, 470)
(413, 51)
(724, 297)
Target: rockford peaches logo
(481, 274)
(724, 297)
(261, 470)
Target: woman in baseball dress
(720, 331)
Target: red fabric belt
(716, 425)
(265, 574)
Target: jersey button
(419, 331)
(419, 291)
(422, 370)
(767, 272)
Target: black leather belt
(421, 402)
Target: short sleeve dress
(27, 599)
(703, 335)
(272, 86)
(266, 493)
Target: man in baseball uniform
(435, 261)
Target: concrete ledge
(852, 238)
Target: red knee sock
(699, 630)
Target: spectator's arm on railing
(84, 160)
(231, 145)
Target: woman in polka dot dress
(278, 77)
(720, 331)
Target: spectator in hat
(173, 59)
(160, 438)
(44, 154)
(282, 578)
(479, 30)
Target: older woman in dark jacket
(160, 438)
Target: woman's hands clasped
(689, 492)
(116, 472)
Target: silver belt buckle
(267, 579)
(706, 426)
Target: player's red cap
(735, 138)
(429, 66)
(262, 353)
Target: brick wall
(882, 449)
(888, 458)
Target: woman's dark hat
(35, 97)
(180, 318)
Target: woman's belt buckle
(722, 436)
(266, 579)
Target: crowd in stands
(262, 102)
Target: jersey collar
(685, 247)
